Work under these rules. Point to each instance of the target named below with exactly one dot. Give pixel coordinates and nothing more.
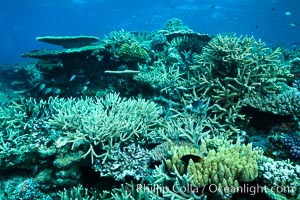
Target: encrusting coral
(285, 103)
(129, 161)
(282, 176)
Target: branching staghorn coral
(231, 67)
(173, 185)
(21, 125)
(160, 76)
(171, 60)
(79, 192)
(127, 191)
(191, 129)
(193, 126)
(227, 69)
(239, 64)
(101, 124)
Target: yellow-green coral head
(133, 53)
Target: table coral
(69, 41)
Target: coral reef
(171, 114)
(227, 69)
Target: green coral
(125, 47)
(224, 167)
(133, 53)
(178, 153)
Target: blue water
(21, 21)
